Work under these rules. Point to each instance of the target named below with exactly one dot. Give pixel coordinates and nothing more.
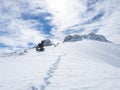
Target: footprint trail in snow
(49, 74)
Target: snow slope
(83, 65)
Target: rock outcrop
(90, 36)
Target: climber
(40, 46)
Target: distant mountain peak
(90, 36)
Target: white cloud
(111, 27)
(66, 13)
(19, 32)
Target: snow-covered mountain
(82, 65)
(90, 36)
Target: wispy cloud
(66, 13)
(14, 29)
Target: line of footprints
(49, 75)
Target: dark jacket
(41, 45)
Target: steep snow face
(86, 65)
(91, 36)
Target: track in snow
(49, 75)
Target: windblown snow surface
(83, 65)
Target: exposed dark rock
(93, 36)
(68, 38)
(47, 42)
(90, 36)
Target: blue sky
(40, 18)
(23, 24)
(26, 22)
